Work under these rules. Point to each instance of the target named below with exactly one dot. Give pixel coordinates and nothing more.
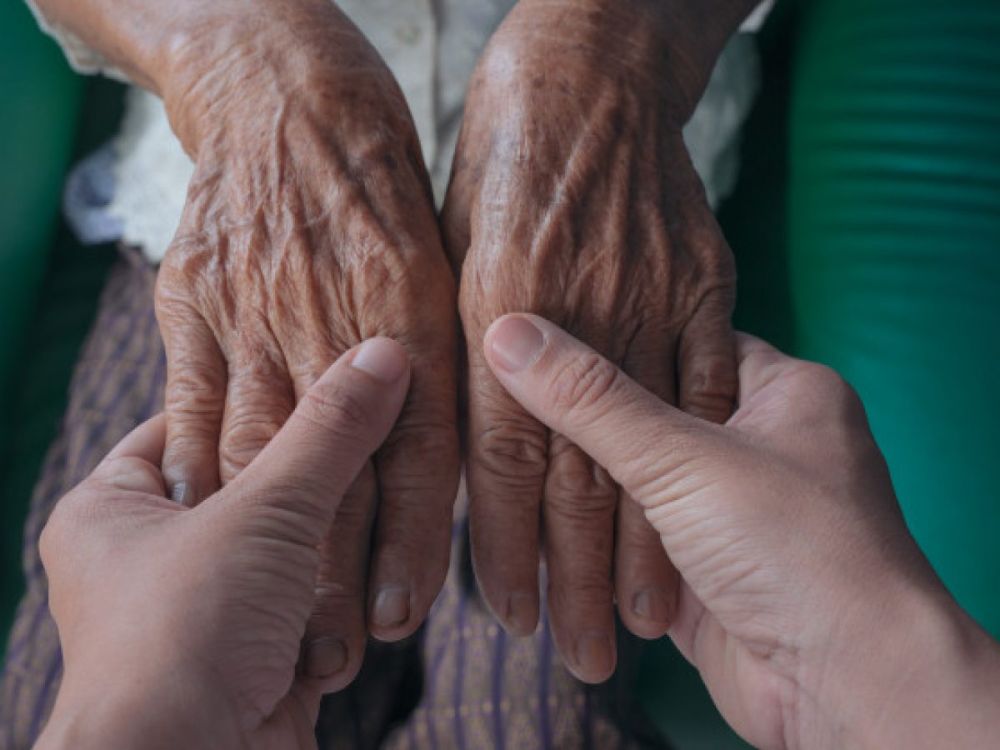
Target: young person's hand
(811, 614)
(184, 627)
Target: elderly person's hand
(806, 606)
(573, 196)
(309, 226)
(182, 627)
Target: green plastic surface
(895, 254)
(39, 102)
(48, 283)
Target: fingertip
(594, 657)
(146, 441)
(649, 612)
(520, 616)
(390, 611)
(190, 480)
(330, 663)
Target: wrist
(913, 671)
(224, 59)
(667, 47)
(158, 708)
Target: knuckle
(240, 445)
(829, 402)
(195, 388)
(816, 380)
(509, 449)
(251, 421)
(423, 444)
(576, 488)
(582, 586)
(583, 383)
(589, 509)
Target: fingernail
(181, 493)
(595, 655)
(392, 606)
(383, 359)
(651, 604)
(515, 343)
(325, 657)
(522, 613)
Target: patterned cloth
(461, 683)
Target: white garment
(432, 47)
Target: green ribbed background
(895, 254)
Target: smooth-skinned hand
(808, 609)
(573, 196)
(309, 227)
(184, 627)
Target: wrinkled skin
(573, 197)
(309, 226)
(807, 608)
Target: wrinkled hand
(309, 227)
(182, 627)
(808, 609)
(573, 196)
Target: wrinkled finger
(507, 459)
(646, 583)
(645, 580)
(418, 470)
(194, 403)
(706, 360)
(582, 395)
(334, 643)
(259, 398)
(308, 466)
(579, 527)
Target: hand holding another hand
(183, 627)
(806, 606)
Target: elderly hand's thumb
(337, 425)
(638, 438)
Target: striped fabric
(461, 683)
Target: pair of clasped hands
(804, 603)
(314, 504)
